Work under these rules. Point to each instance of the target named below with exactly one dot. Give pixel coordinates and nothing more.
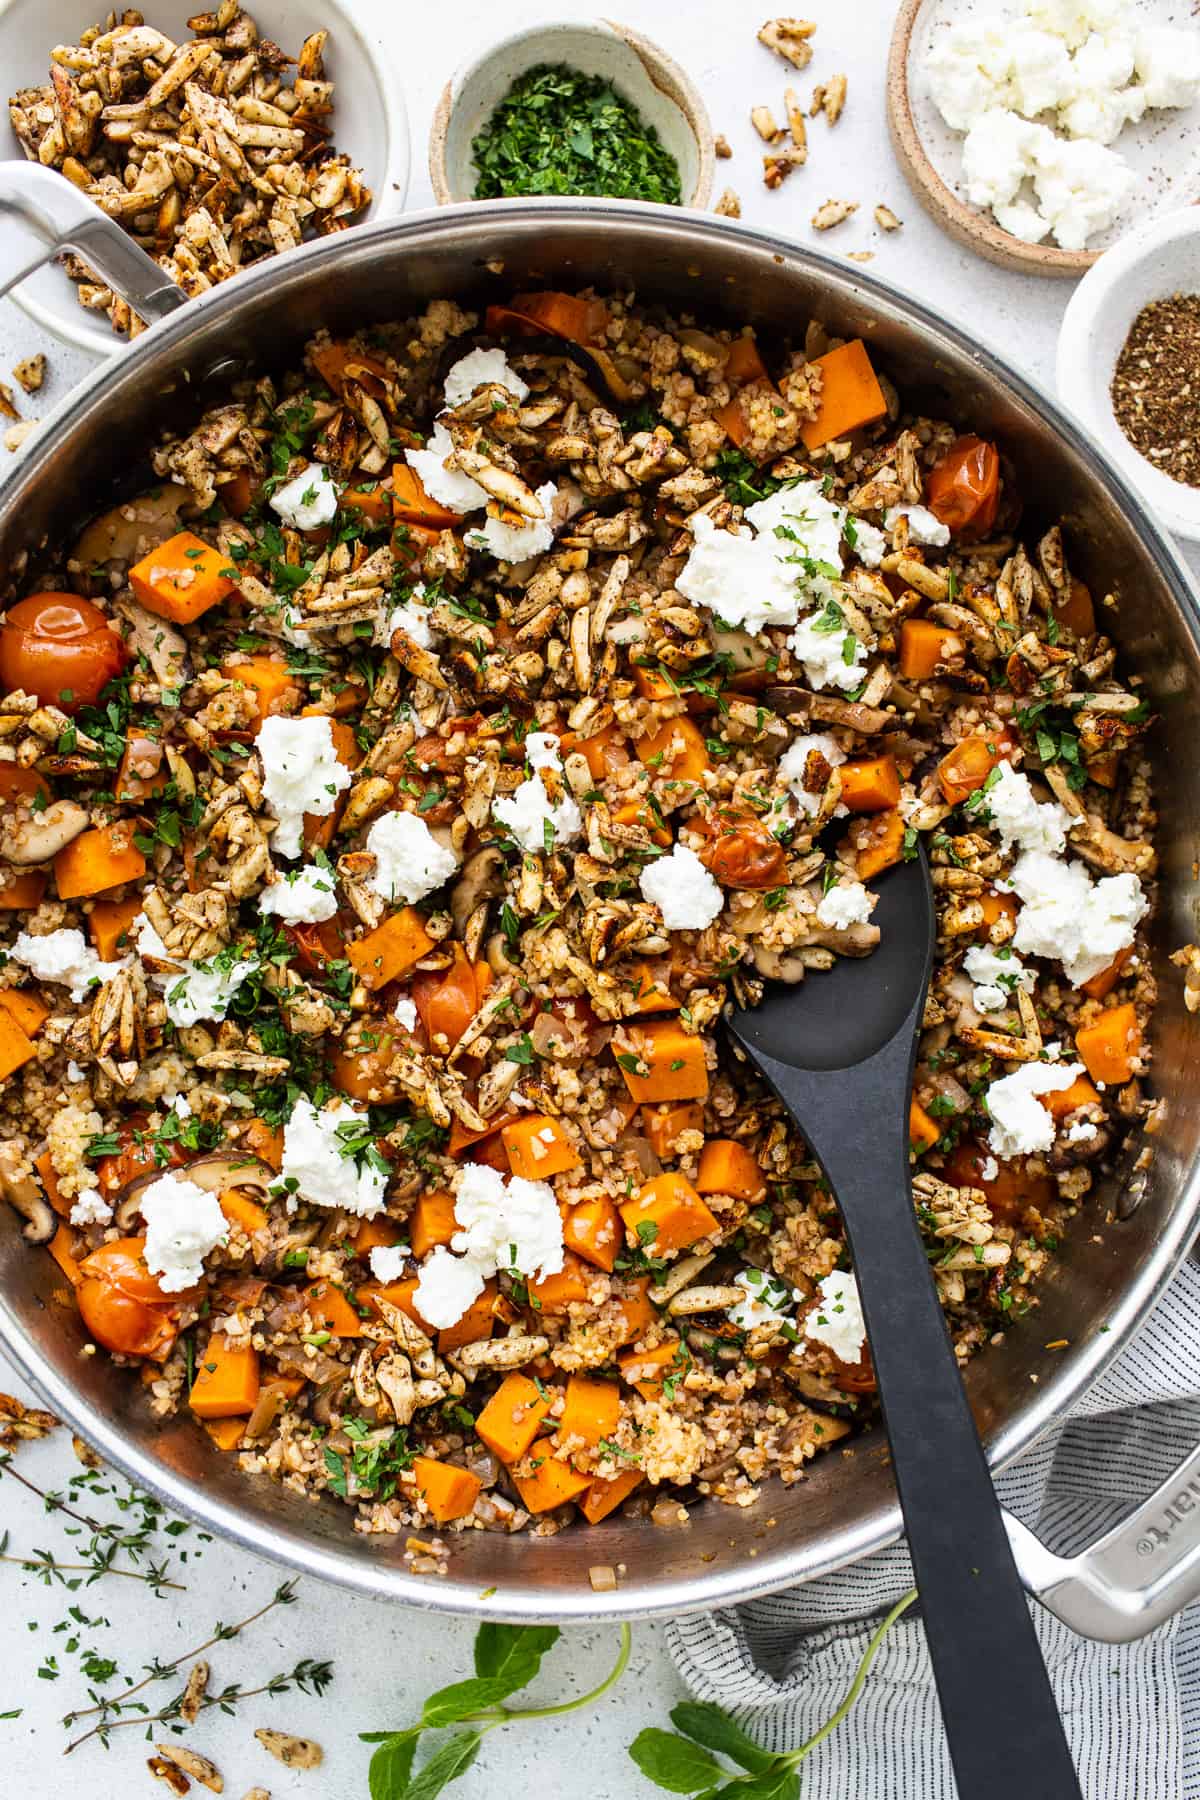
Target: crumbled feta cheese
(924, 527)
(738, 577)
(1081, 186)
(1053, 1050)
(515, 543)
(405, 1013)
(1082, 1132)
(315, 1166)
(194, 992)
(1021, 1125)
(999, 973)
(682, 889)
(301, 774)
(847, 904)
(765, 1298)
(506, 1223)
(1072, 20)
(998, 153)
(1020, 818)
(409, 860)
(308, 501)
(804, 524)
(1102, 104)
(74, 1072)
(535, 820)
(183, 1223)
(1069, 917)
(447, 1287)
(1040, 75)
(388, 1261)
(794, 762)
(867, 541)
(91, 1208)
(1022, 221)
(302, 896)
(542, 751)
(833, 656)
(1167, 63)
(411, 617)
(967, 69)
(64, 957)
(449, 487)
(482, 368)
(837, 1318)
(989, 1168)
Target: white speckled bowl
(1160, 258)
(645, 75)
(369, 121)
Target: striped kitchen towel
(1132, 1711)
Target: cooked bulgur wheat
(524, 1001)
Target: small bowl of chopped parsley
(572, 108)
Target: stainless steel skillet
(1139, 1226)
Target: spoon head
(841, 1017)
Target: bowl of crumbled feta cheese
(1039, 132)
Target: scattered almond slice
(834, 212)
(795, 119)
(7, 404)
(722, 148)
(779, 165)
(15, 436)
(729, 206)
(789, 38)
(763, 121)
(886, 219)
(193, 1764)
(833, 98)
(193, 1693)
(30, 372)
(292, 1752)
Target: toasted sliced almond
(193, 1693)
(833, 98)
(779, 165)
(795, 119)
(31, 372)
(729, 206)
(763, 121)
(789, 38)
(834, 212)
(721, 148)
(193, 1764)
(292, 1752)
(886, 219)
(175, 1778)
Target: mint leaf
(391, 1765)
(462, 1698)
(711, 1726)
(674, 1762)
(781, 1782)
(451, 1761)
(503, 1650)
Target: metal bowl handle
(1134, 1578)
(43, 214)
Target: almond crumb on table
(789, 38)
(729, 206)
(722, 148)
(886, 219)
(834, 212)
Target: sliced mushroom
(24, 1194)
(28, 838)
(164, 648)
(482, 879)
(216, 1174)
(125, 532)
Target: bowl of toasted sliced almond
(216, 139)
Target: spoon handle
(1002, 1724)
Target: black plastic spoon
(839, 1052)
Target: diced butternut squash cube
(413, 506)
(727, 1167)
(448, 1491)
(870, 785)
(653, 988)
(477, 1323)
(330, 1310)
(874, 842)
(591, 1410)
(593, 1230)
(664, 1125)
(554, 1293)
(923, 1134)
(391, 949)
(665, 1063)
(381, 1233)
(226, 1434)
(1110, 1047)
(646, 1370)
(98, 860)
(851, 396)
(538, 1147)
(25, 1008)
(670, 1204)
(971, 761)
(604, 1497)
(643, 813)
(676, 752)
(1066, 1100)
(269, 679)
(239, 1209)
(432, 1222)
(22, 889)
(60, 1249)
(49, 1176)
(15, 1047)
(509, 1422)
(1100, 986)
(108, 926)
(181, 579)
(226, 1383)
(926, 647)
(551, 1483)
(264, 1141)
(395, 1293)
(637, 1310)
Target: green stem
(506, 1716)
(855, 1688)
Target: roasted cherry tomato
(122, 1264)
(448, 999)
(963, 487)
(743, 854)
(121, 1323)
(60, 648)
(1010, 1192)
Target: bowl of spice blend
(587, 107)
(1129, 362)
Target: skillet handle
(43, 214)
(1132, 1579)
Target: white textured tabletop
(385, 1660)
